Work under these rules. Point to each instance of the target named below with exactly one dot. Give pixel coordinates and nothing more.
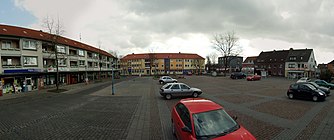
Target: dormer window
(293, 58)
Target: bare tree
(227, 45)
(55, 29)
(197, 63)
(114, 53)
(213, 57)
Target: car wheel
(290, 96)
(161, 82)
(195, 94)
(168, 96)
(315, 98)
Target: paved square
(137, 111)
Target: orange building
(161, 63)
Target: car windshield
(213, 123)
(314, 84)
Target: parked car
(203, 119)
(324, 83)
(237, 75)
(167, 79)
(253, 78)
(304, 79)
(305, 91)
(170, 90)
(324, 89)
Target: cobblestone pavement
(264, 109)
(137, 111)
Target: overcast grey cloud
(136, 26)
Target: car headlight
(321, 93)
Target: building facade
(234, 63)
(300, 63)
(28, 60)
(161, 64)
(330, 66)
(271, 63)
(248, 66)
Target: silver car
(170, 90)
(167, 79)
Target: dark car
(324, 83)
(238, 75)
(324, 89)
(305, 91)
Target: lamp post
(112, 80)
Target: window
(30, 61)
(7, 63)
(162, 65)
(291, 65)
(81, 53)
(184, 115)
(301, 58)
(61, 49)
(293, 58)
(176, 86)
(29, 45)
(81, 63)
(62, 62)
(6, 45)
(184, 86)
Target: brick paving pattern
(260, 129)
(239, 99)
(88, 119)
(137, 111)
(285, 109)
(310, 129)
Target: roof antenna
(80, 36)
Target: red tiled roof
(40, 35)
(162, 56)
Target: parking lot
(138, 111)
(264, 109)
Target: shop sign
(23, 71)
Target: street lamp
(112, 79)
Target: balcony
(12, 66)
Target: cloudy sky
(188, 26)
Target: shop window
(30, 61)
(29, 45)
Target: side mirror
(234, 117)
(186, 129)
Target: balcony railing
(11, 49)
(12, 66)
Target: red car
(253, 78)
(197, 118)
